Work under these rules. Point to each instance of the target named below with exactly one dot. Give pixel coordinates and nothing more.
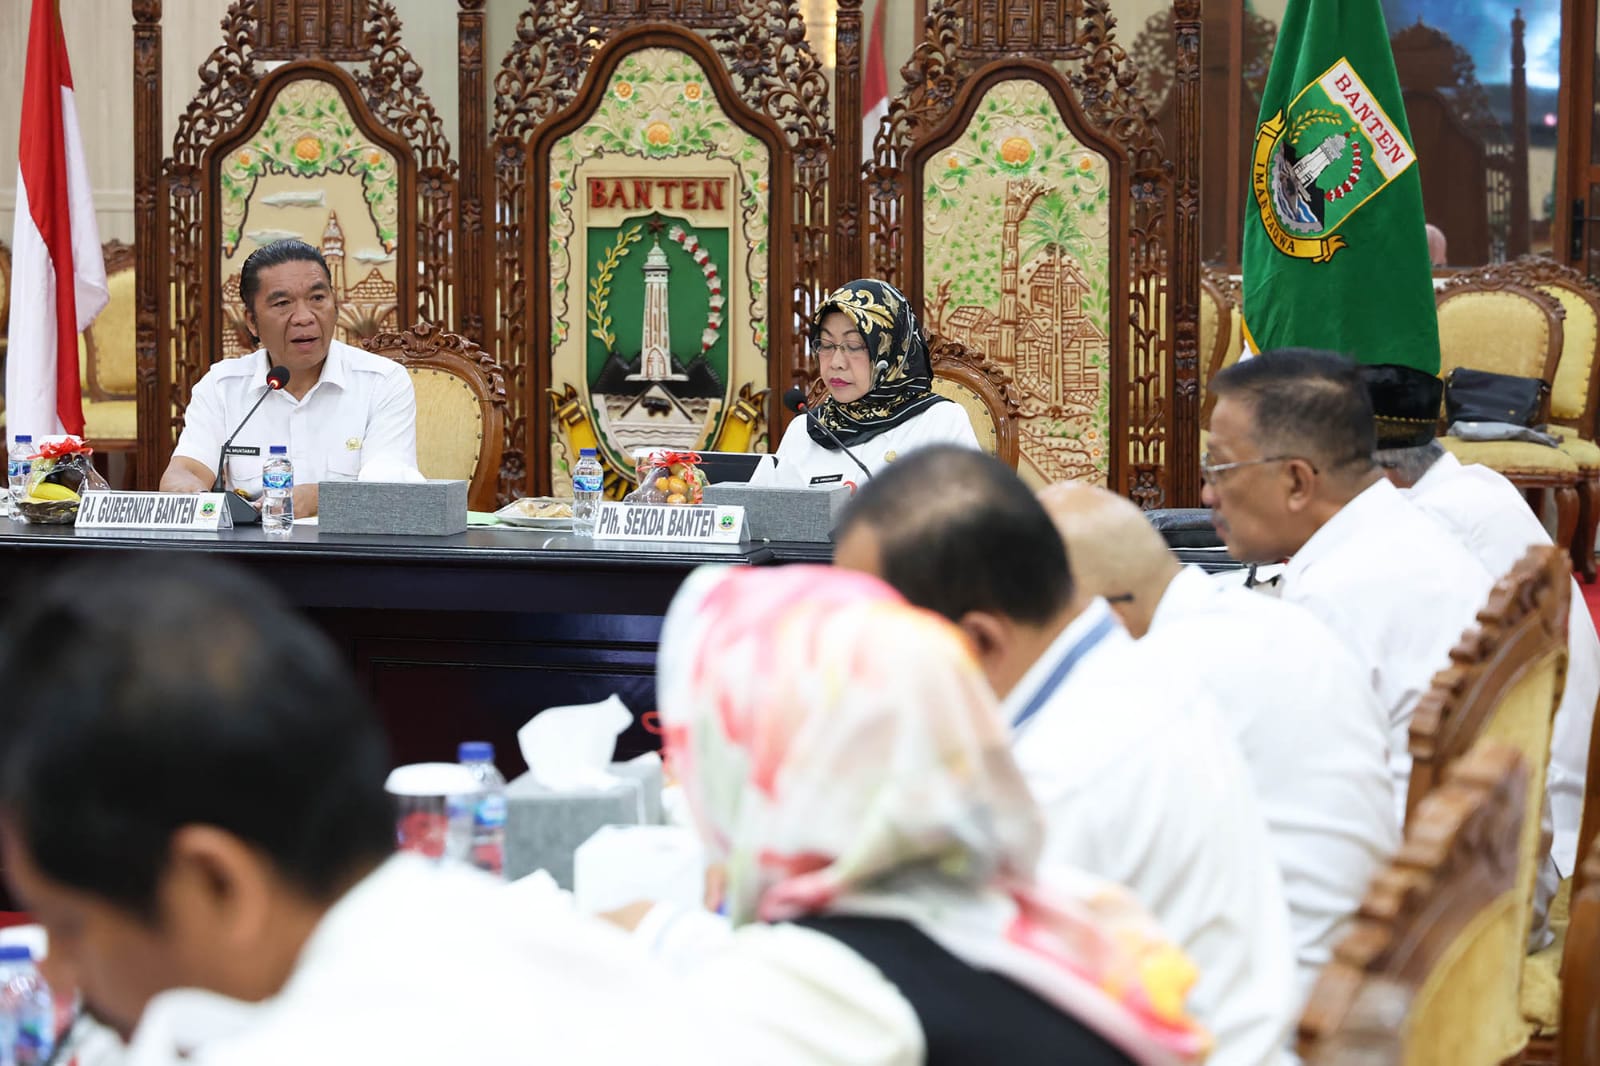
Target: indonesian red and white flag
(58, 276)
(874, 84)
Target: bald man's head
(1115, 551)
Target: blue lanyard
(1063, 668)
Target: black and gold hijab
(902, 377)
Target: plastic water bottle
(27, 1013)
(489, 815)
(277, 507)
(588, 484)
(19, 464)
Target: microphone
(238, 507)
(795, 401)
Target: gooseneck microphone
(795, 401)
(239, 508)
(277, 378)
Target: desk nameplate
(689, 523)
(197, 511)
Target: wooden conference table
(454, 638)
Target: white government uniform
(426, 964)
(1141, 784)
(1311, 732)
(1490, 516)
(803, 463)
(362, 408)
(1399, 589)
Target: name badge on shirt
(827, 479)
(241, 449)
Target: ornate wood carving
(426, 345)
(294, 29)
(539, 75)
(1154, 460)
(846, 181)
(391, 86)
(1579, 1033)
(1470, 187)
(179, 301)
(1458, 858)
(472, 138)
(989, 382)
(1524, 620)
(764, 125)
(762, 45)
(149, 224)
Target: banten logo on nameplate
(699, 523)
(203, 511)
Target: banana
(49, 491)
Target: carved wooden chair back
(1427, 973)
(1578, 1040)
(983, 390)
(1490, 321)
(461, 406)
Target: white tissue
(569, 748)
(390, 471)
(623, 864)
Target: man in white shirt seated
(342, 408)
(1488, 514)
(1311, 731)
(1137, 776)
(207, 841)
(1289, 473)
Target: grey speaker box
(783, 514)
(434, 508)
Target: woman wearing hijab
(879, 846)
(873, 358)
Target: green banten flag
(1335, 250)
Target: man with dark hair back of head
(1312, 733)
(342, 409)
(216, 820)
(1289, 473)
(1488, 514)
(1137, 777)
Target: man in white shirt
(1138, 778)
(207, 841)
(341, 409)
(1309, 727)
(1492, 519)
(1289, 473)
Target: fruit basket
(62, 473)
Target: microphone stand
(239, 508)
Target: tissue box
(545, 827)
(783, 514)
(434, 508)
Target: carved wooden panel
(1469, 172)
(1139, 343)
(761, 46)
(361, 121)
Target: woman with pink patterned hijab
(846, 766)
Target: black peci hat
(1405, 404)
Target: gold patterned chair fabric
(1490, 321)
(1426, 974)
(983, 390)
(461, 406)
(107, 360)
(1574, 390)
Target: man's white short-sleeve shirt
(362, 408)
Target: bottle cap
(279, 449)
(24, 438)
(15, 953)
(475, 751)
(587, 453)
